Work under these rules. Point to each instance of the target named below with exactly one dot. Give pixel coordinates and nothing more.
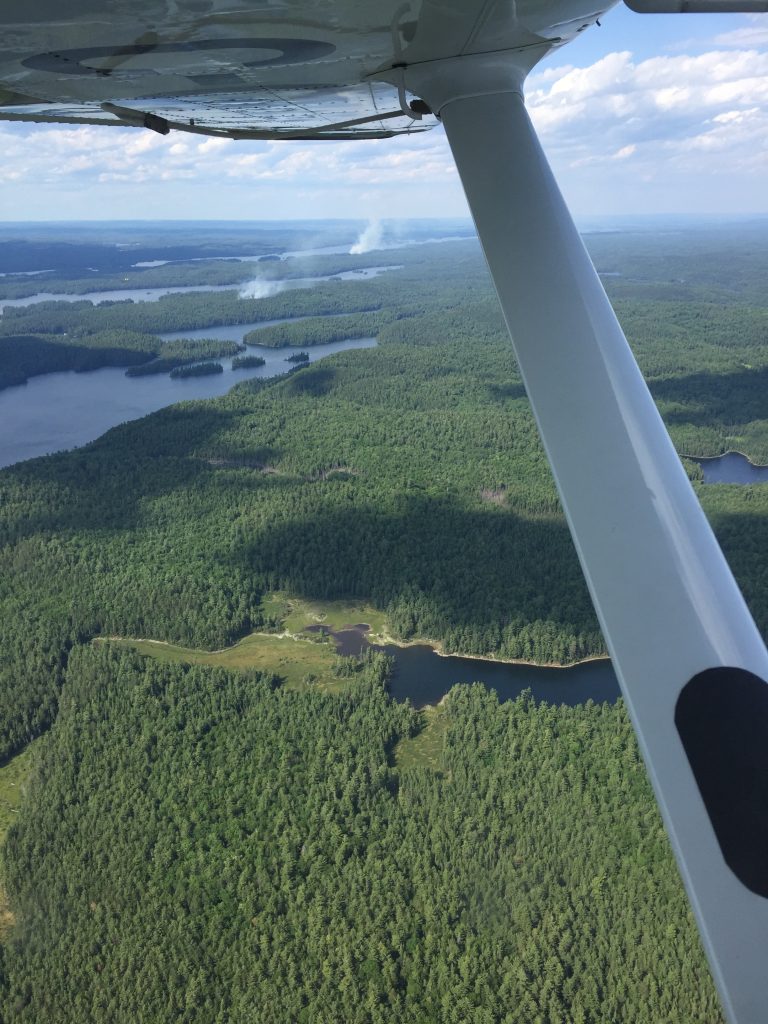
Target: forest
(211, 845)
(25, 356)
(54, 335)
(247, 362)
(319, 330)
(197, 370)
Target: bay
(59, 411)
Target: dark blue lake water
(424, 677)
(59, 411)
(732, 468)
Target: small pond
(424, 677)
(732, 468)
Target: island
(197, 370)
(247, 362)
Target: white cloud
(213, 145)
(664, 110)
(125, 155)
(747, 37)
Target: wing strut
(672, 615)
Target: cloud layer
(671, 108)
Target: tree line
(201, 845)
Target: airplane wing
(299, 69)
(690, 661)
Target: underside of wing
(305, 69)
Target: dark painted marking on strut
(722, 718)
(70, 62)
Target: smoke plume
(369, 239)
(260, 289)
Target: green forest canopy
(410, 476)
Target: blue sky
(645, 115)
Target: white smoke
(260, 289)
(369, 239)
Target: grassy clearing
(425, 749)
(297, 613)
(300, 663)
(13, 777)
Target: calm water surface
(425, 677)
(256, 289)
(236, 332)
(732, 468)
(116, 295)
(58, 411)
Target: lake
(732, 468)
(424, 677)
(58, 411)
(235, 332)
(258, 288)
(322, 250)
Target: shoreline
(376, 639)
(714, 458)
(437, 647)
